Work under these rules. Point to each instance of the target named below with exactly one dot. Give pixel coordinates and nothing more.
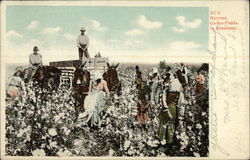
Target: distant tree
(204, 67)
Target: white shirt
(176, 85)
(35, 58)
(82, 40)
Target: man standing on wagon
(82, 44)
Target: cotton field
(44, 123)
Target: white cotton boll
(56, 118)
(198, 126)
(38, 112)
(163, 142)
(38, 152)
(161, 155)
(182, 134)
(196, 154)
(155, 143)
(20, 133)
(190, 114)
(203, 113)
(64, 153)
(78, 142)
(52, 131)
(43, 146)
(185, 142)
(182, 148)
(39, 125)
(111, 152)
(61, 115)
(126, 144)
(53, 144)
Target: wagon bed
(67, 68)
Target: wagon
(67, 68)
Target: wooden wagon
(67, 68)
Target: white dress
(93, 106)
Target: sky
(126, 34)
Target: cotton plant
(120, 135)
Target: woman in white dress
(94, 101)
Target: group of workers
(166, 94)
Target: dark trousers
(81, 52)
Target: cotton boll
(196, 154)
(198, 126)
(38, 152)
(52, 132)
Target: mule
(80, 86)
(181, 78)
(113, 82)
(47, 77)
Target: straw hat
(82, 29)
(155, 70)
(97, 75)
(19, 69)
(35, 48)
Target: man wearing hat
(35, 61)
(83, 44)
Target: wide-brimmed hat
(35, 48)
(82, 29)
(19, 69)
(97, 75)
(155, 70)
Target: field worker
(138, 77)
(83, 44)
(35, 61)
(94, 101)
(184, 72)
(154, 80)
(16, 84)
(168, 114)
(200, 82)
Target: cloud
(178, 29)
(35, 42)
(132, 43)
(113, 40)
(69, 36)
(194, 24)
(183, 45)
(13, 33)
(33, 25)
(96, 25)
(134, 32)
(147, 24)
(51, 30)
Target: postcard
(124, 79)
